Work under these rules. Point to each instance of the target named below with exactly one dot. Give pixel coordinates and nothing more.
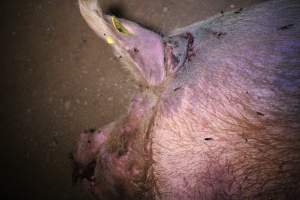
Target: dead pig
(219, 117)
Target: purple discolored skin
(219, 112)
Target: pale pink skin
(222, 110)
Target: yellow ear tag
(118, 25)
(110, 40)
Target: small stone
(165, 9)
(85, 72)
(67, 105)
(54, 141)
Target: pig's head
(114, 162)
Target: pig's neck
(141, 110)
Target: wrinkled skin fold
(218, 116)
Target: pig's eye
(118, 26)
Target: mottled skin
(219, 115)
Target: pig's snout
(84, 156)
(114, 163)
(88, 146)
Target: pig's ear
(140, 49)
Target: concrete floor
(58, 78)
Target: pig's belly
(216, 147)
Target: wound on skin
(219, 35)
(286, 27)
(238, 11)
(260, 114)
(177, 89)
(190, 49)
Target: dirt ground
(58, 78)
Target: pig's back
(228, 125)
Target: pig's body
(228, 125)
(221, 119)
